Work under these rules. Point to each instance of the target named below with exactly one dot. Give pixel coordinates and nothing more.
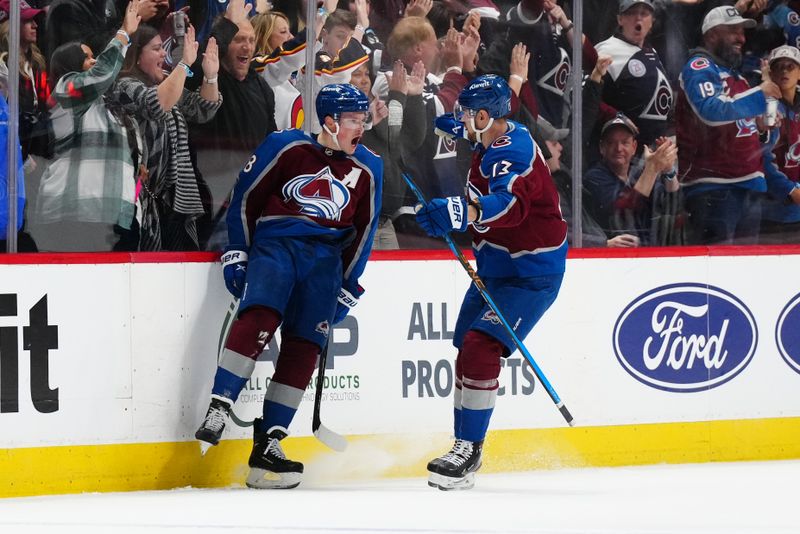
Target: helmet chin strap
(333, 135)
(476, 130)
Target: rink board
(106, 364)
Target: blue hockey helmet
(337, 98)
(489, 92)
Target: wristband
(454, 69)
(186, 69)
(210, 80)
(125, 35)
(360, 27)
(517, 77)
(568, 27)
(478, 209)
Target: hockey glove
(448, 127)
(234, 269)
(346, 301)
(443, 215)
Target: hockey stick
(488, 298)
(321, 432)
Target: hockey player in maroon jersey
(300, 227)
(511, 208)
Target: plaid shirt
(92, 177)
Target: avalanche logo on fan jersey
(793, 156)
(659, 106)
(699, 63)
(555, 80)
(747, 127)
(787, 333)
(318, 195)
(685, 337)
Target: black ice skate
(210, 431)
(269, 468)
(456, 469)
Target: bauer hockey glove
(346, 301)
(234, 269)
(443, 215)
(448, 127)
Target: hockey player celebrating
(520, 244)
(300, 227)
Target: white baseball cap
(727, 16)
(785, 51)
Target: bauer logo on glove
(443, 215)
(234, 270)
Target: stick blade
(330, 438)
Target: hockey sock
(480, 362)
(249, 334)
(296, 363)
(457, 399)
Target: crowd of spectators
(135, 116)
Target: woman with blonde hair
(272, 30)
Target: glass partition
(662, 123)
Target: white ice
(729, 498)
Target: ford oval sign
(685, 337)
(787, 333)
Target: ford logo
(685, 337)
(787, 333)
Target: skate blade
(204, 446)
(263, 479)
(435, 480)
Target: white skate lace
(274, 447)
(215, 420)
(459, 453)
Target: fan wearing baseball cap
(33, 89)
(780, 209)
(636, 82)
(720, 160)
(614, 195)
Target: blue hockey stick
(488, 298)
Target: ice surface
(729, 498)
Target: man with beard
(720, 161)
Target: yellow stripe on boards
(150, 466)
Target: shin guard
(296, 364)
(249, 334)
(480, 364)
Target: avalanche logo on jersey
(700, 63)
(555, 80)
(793, 156)
(661, 103)
(318, 195)
(747, 127)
